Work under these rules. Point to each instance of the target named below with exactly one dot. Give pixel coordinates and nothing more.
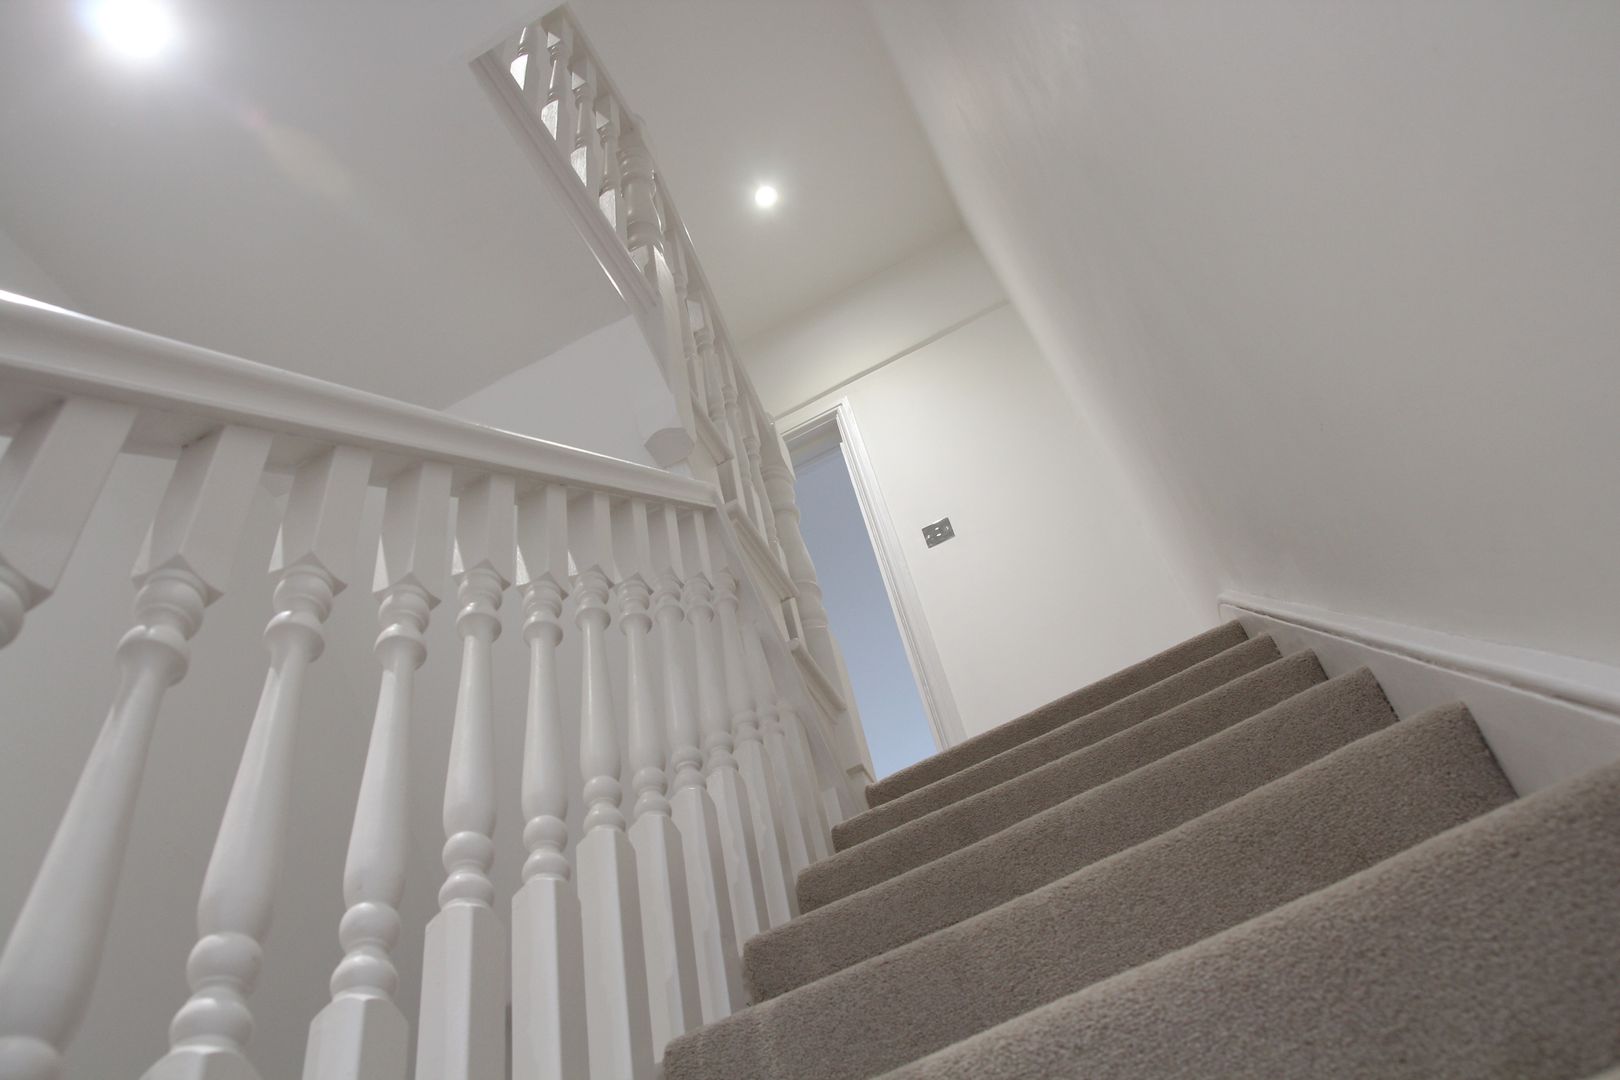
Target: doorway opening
(901, 693)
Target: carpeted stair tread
(1183, 686)
(1090, 826)
(971, 819)
(1318, 825)
(1486, 953)
(1039, 721)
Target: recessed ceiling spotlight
(137, 28)
(765, 196)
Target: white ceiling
(319, 186)
(734, 92)
(325, 188)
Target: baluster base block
(666, 929)
(357, 1038)
(462, 1031)
(548, 983)
(618, 1022)
(202, 1063)
(739, 853)
(720, 985)
(781, 899)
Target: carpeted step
(1082, 830)
(1183, 686)
(1088, 699)
(1316, 826)
(954, 827)
(1491, 952)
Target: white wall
(1337, 280)
(1051, 580)
(603, 392)
(20, 273)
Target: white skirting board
(1546, 717)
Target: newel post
(313, 559)
(50, 960)
(362, 1034)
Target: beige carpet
(1318, 825)
(1093, 825)
(1183, 686)
(1491, 952)
(975, 817)
(1039, 721)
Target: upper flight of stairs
(1215, 863)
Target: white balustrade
(781, 902)
(617, 1008)
(666, 917)
(783, 764)
(312, 561)
(713, 930)
(362, 1034)
(724, 780)
(50, 477)
(464, 987)
(52, 954)
(548, 974)
(737, 744)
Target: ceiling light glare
(139, 29)
(765, 196)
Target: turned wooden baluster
(612, 200)
(781, 903)
(782, 763)
(587, 155)
(361, 1034)
(666, 916)
(714, 941)
(462, 1027)
(730, 470)
(558, 114)
(675, 256)
(756, 486)
(618, 1020)
(50, 477)
(548, 974)
(50, 960)
(313, 560)
(645, 234)
(533, 74)
(726, 787)
(747, 494)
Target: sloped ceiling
(1337, 279)
(319, 186)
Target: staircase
(1216, 863)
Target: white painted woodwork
(313, 561)
(362, 1034)
(548, 974)
(781, 903)
(51, 957)
(617, 1008)
(464, 991)
(789, 768)
(714, 943)
(1546, 718)
(739, 848)
(666, 919)
(50, 477)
